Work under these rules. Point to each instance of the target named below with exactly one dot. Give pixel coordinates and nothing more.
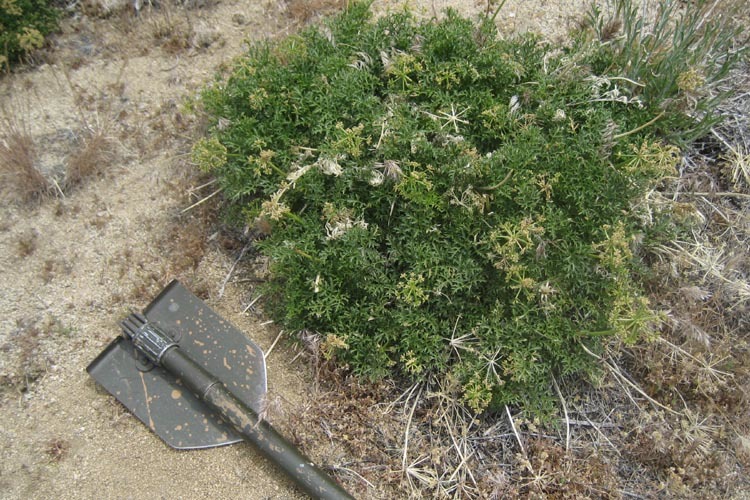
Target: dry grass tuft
(27, 243)
(96, 152)
(21, 179)
(610, 30)
(169, 30)
(25, 361)
(303, 11)
(175, 31)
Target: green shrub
(23, 26)
(444, 202)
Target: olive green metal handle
(273, 445)
(161, 350)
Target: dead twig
(722, 194)
(201, 201)
(252, 303)
(231, 270)
(515, 431)
(268, 351)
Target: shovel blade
(160, 400)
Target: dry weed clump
(426, 444)
(698, 368)
(185, 238)
(94, 155)
(170, 30)
(25, 361)
(103, 9)
(27, 243)
(684, 450)
(175, 31)
(187, 241)
(52, 268)
(344, 420)
(21, 179)
(57, 449)
(303, 11)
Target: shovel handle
(313, 480)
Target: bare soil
(72, 264)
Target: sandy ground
(73, 265)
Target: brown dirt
(73, 265)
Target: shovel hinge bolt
(147, 338)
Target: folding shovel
(198, 382)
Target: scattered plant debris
(57, 449)
(27, 242)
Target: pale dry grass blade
(616, 371)
(201, 201)
(739, 162)
(565, 413)
(408, 423)
(515, 431)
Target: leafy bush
(23, 26)
(443, 202)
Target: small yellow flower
(30, 39)
(10, 7)
(209, 154)
(410, 289)
(614, 251)
(652, 158)
(333, 343)
(273, 208)
(478, 394)
(690, 81)
(257, 98)
(411, 363)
